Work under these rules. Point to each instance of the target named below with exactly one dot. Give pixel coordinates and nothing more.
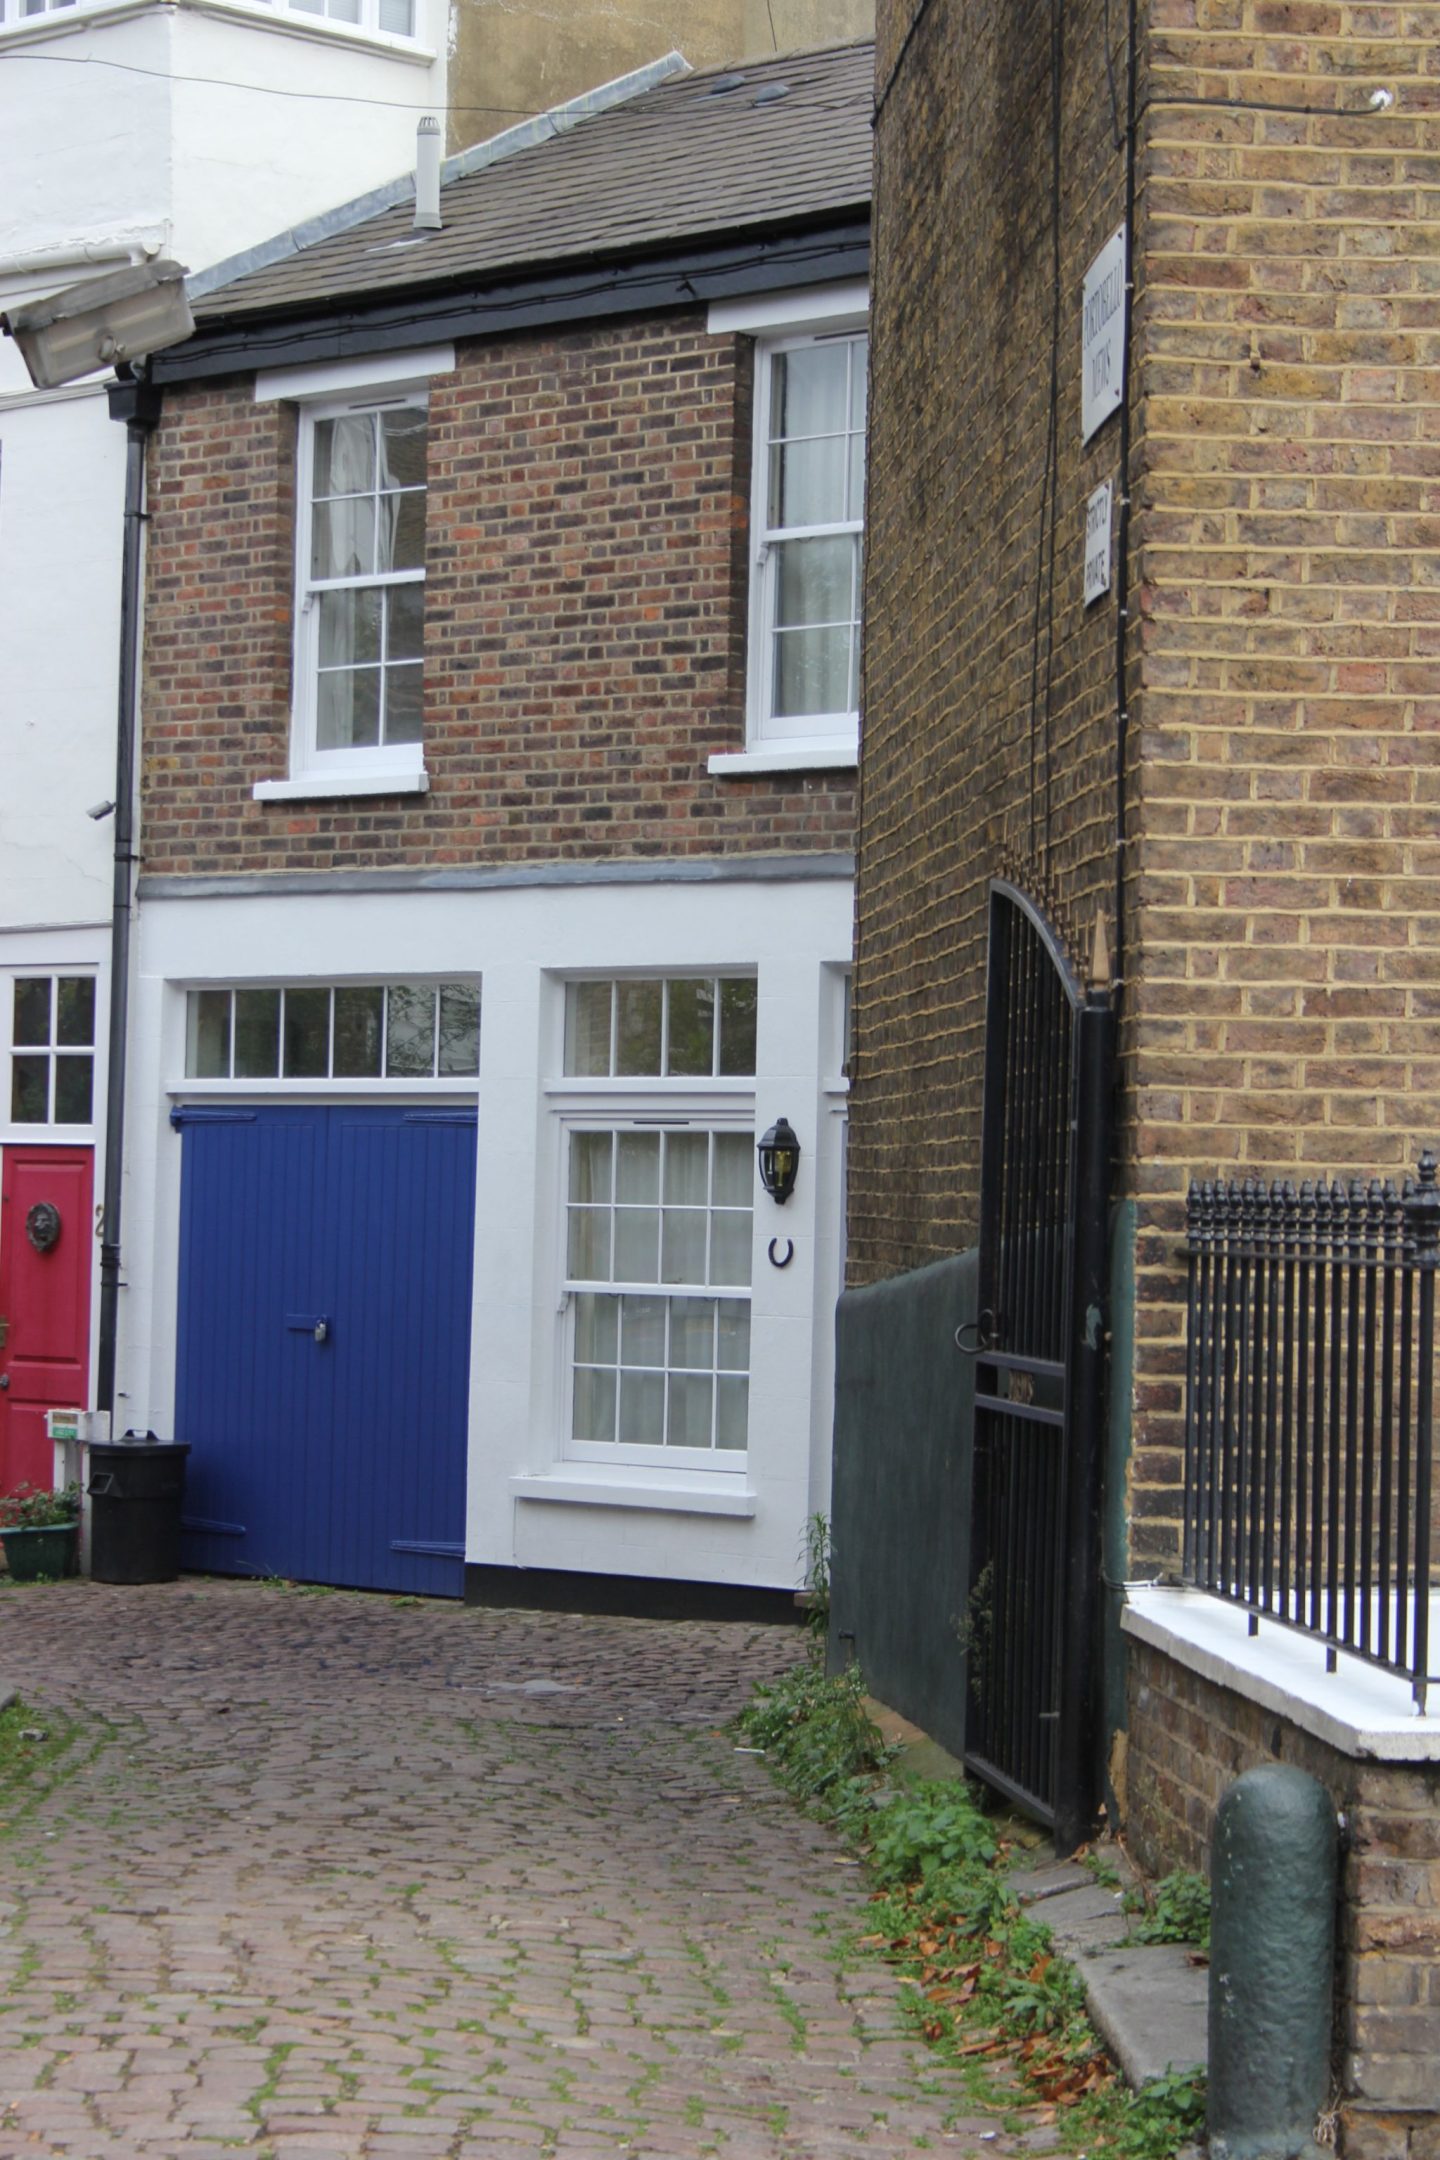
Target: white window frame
(380, 1084)
(785, 324)
(368, 25)
(28, 1131)
(381, 768)
(283, 14)
(382, 758)
(613, 1107)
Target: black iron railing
(1309, 1408)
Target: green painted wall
(900, 1522)
(900, 1509)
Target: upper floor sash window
(359, 658)
(808, 521)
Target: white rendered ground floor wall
(533, 1499)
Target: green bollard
(1272, 1955)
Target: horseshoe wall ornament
(42, 1225)
(775, 1261)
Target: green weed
(819, 1739)
(1099, 1864)
(985, 1987)
(817, 1575)
(1176, 1910)
(928, 1828)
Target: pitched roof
(705, 154)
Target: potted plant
(38, 1531)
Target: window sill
(318, 30)
(310, 787)
(1357, 1709)
(683, 1495)
(838, 756)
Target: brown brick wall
(1188, 1740)
(1283, 877)
(585, 621)
(959, 764)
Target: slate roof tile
(705, 154)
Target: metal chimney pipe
(427, 175)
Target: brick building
(500, 711)
(1235, 743)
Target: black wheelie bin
(136, 1488)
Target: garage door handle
(305, 1323)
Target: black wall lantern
(779, 1154)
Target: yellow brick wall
(960, 769)
(1283, 791)
(1287, 861)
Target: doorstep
(1149, 2002)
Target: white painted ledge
(310, 787)
(677, 1496)
(319, 30)
(798, 757)
(1358, 1709)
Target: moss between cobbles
(982, 1983)
(38, 1751)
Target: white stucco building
(129, 130)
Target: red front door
(44, 1300)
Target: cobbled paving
(361, 1878)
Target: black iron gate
(1032, 1629)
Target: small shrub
(28, 1508)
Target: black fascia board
(338, 331)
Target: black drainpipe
(1120, 960)
(137, 403)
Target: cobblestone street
(361, 1878)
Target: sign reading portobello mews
(1102, 336)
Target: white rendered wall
(319, 120)
(85, 149)
(104, 142)
(214, 127)
(62, 484)
(523, 942)
(109, 153)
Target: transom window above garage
(401, 1031)
(660, 1027)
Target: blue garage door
(324, 1343)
